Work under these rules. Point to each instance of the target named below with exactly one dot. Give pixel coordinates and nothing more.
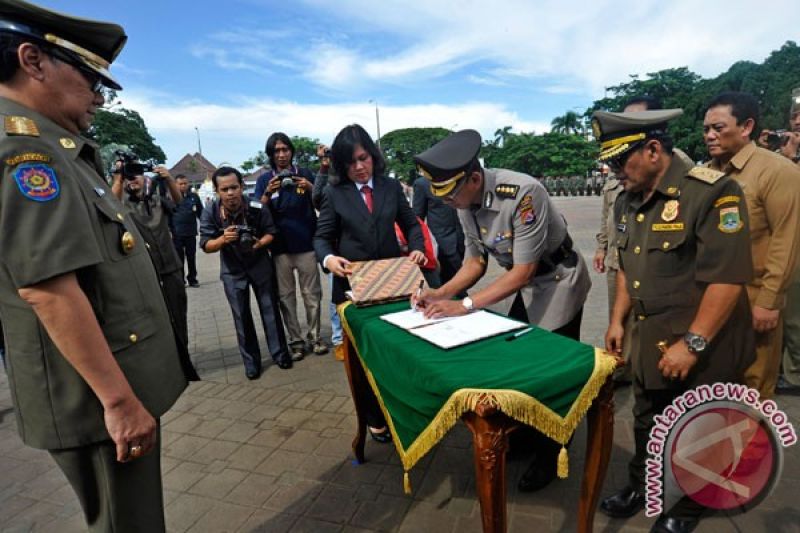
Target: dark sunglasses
(95, 80)
(616, 164)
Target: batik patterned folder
(383, 280)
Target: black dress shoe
(537, 476)
(384, 437)
(668, 524)
(285, 363)
(252, 374)
(623, 504)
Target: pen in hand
(418, 294)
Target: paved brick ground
(274, 454)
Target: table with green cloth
(540, 379)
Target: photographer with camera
(241, 233)
(287, 190)
(151, 201)
(785, 142)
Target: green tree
(400, 146)
(569, 122)
(125, 126)
(550, 154)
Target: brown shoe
(338, 352)
(319, 348)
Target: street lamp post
(199, 148)
(377, 121)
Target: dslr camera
(246, 235)
(288, 179)
(776, 139)
(131, 166)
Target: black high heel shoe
(383, 437)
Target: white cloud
(233, 133)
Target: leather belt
(563, 254)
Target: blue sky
(241, 69)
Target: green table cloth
(540, 379)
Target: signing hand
(443, 308)
(764, 319)
(677, 361)
(130, 425)
(339, 266)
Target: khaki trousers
(305, 264)
(791, 332)
(763, 373)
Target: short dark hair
(270, 146)
(180, 177)
(9, 61)
(651, 103)
(226, 171)
(345, 144)
(743, 106)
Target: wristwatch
(697, 344)
(467, 303)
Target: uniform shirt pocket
(668, 253)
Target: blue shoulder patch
(37, 181)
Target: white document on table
(454, 331)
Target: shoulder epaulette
(706, 175)
(16, 125)
(506, 191)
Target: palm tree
(570, 122)
(501, 135)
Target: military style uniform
(59, 216)
(517, 223)
(772, 193)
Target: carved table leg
(490, 431)
(359, 386)
(600, 425)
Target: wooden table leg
(490, 429)
(600, 425)
(358, 387)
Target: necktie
(367, 190)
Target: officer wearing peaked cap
(92, 361)
(683, 241)
(509, 216)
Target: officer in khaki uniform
(507, 215)
(92, 361)
(684, 252)
(771, 190)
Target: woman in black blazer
(356, 223)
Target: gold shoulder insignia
(706, 175)
(15, 125)
(506, 191)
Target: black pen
(519, 334)
(419, 293)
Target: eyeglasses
(457, 189)
(95, 80)
(616, 164)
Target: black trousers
(187, 251)
(118, 497)
(544, 448)
(237, 290)
(647, 404)
(175, 298)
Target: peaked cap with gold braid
(94, 43)
(620, 132)
(447, 162)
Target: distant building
(250, 180)
(195, 167)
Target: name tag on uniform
(677, 226)
(622, 228)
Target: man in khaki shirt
(772, 192)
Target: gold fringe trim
(563, 463)
(406, 483)
(514, 404)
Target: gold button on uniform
(636, 284)
(120, 217)
(640, 217)
(665, 245)
(637, 250)
(640, 317)
(133, 337)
